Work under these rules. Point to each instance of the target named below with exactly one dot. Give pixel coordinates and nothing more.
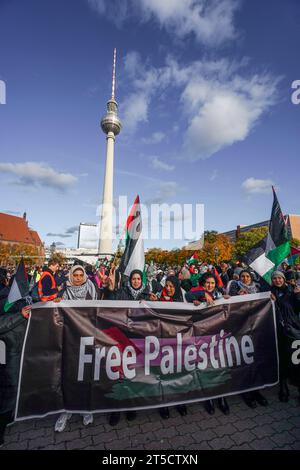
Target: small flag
(20, 287)
(294, 254)
(267, 254)
(194, 258)
(133, 256)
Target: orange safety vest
(46, 298)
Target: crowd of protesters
(195, 282)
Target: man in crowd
(47, 286)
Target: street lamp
(217, 252)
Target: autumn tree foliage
(11, 253)
(216, 248)
(170, 258)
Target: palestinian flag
(133, 256)
(267, 254)
(294, 254)
(20, 287)
(193, 259)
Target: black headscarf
(136, 292)
(177, 297)
(135, 271)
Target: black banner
(104, 356)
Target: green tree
(210, 236)
(295, 242)
(247, 240)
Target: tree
(210, 236)
(295, 242)
(11, 254)
(247, 240)
(216, 248)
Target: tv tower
(111, 126)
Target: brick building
(292, 220)
(14, 231)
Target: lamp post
(217, 252)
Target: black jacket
(125, 294)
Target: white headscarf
(81, 292)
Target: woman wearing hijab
(78, 287)
(287, 301)
(208, 292)
(243, 286)
(172, 293)
(134, 289)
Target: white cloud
(157, 164)
(135, 111)
(39, 174)
(155, 138)
(132, 61)
(221, 102)
(210, 22)
(213, 175)
(255, 186)
(98, 5)
(116, 11)
(223, 109)
(166, 190)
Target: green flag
(266, 255)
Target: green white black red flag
(20, 287)
(133, 256)
(267, 254)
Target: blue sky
(204, 93)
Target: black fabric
(225, 278)
(125, 294)
(12, 331)
(288, 330)
(277, 225)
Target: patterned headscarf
(73, 292)
(135, 292)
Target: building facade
(16, 235)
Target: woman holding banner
(208, 292)
(133, 290)
(243, 286)
(172, 292)
(78, 287)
